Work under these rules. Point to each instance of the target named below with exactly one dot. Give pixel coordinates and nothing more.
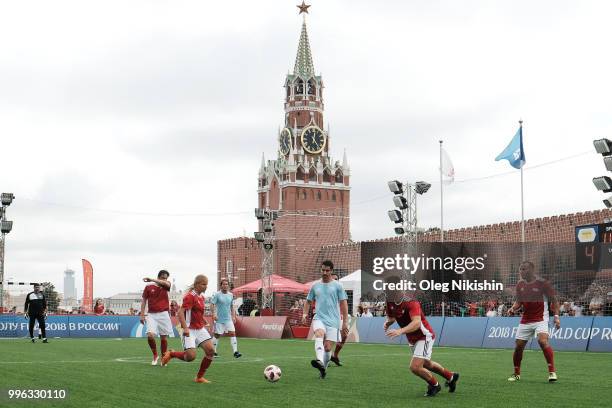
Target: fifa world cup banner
(87, 286)
(600, 338)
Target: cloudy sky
(131, 132)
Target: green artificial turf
(117, 373)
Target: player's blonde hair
(198, 278)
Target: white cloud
(165, 107)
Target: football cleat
(45, 341)
(319, 366)
(552, 377)
(201, 380)
(336, 361)
(432, 390)
(166, 358)
(216, 355)
(514, 377)
(155, 360)
(452, 383)
(33, 340)
(237, 355)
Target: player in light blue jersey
(326, 324)
(224, 316)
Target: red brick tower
(308, 187)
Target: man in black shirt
(36, 308)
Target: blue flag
(514, 152)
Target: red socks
(164, 345)
(446, 374)
(432, 381)
(178, 354)
(550, 359)
(204, 365)
(153, 346)
(516, 358)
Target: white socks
(327, 358)
(234, 342)
(215, 342)
(319, 349)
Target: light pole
(5, 228)
(266, 236)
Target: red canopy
(279, 284)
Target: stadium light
(268, 246)
(421, 187)
(400, 230)
(268, 226)
(395, 216)
(603, 183)
(608, 202)
(260, 214)
(260, 237)
(400, 202)
(603, 147)
(7, 198)
(608, 162)
(396, 187)
(7, 226)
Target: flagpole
(441, 198)
(522, 198)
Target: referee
(36, 308)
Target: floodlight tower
(266, 218)
(5, 228)
(405, 199)
(604, 183)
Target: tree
(52, 296)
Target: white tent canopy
(352, 282)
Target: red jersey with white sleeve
(404, 312)
(534, 297)
(193, 304)
(157, 298)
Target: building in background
(70, 291)
(305, 184)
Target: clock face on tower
(313, 139)
(285, 141)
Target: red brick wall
(245, 255)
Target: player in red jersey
(420, 335)
(191, 316)
(155, 296)
(534, 294)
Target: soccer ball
(272, 373)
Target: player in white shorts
(327, 294)
(191, 316)
(534, 294)
(224, 316)
(155, 297)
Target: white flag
(448, 171)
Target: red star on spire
(303, 7)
